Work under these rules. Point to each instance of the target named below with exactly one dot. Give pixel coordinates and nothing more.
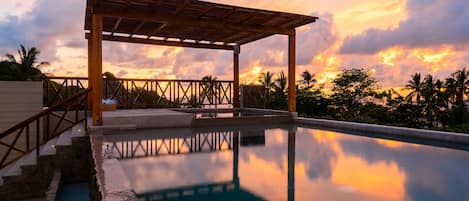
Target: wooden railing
(146, 93)
(28, 135)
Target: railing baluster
(38, 138)
(194, 92)
(27, 138)
(43, 117)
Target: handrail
(136, 79)
(145, 93)
(38, 129)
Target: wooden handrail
(76, 103)
(42, 113)
(143, 93)
(136, 79)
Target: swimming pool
(285, 163)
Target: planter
(19, 100)
(109, 107)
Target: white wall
(18, 101)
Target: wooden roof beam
(116, 25)
(139, 26)
(181, 8)
(149, 16)
(164, 42)
(156, 30)
(201, 14)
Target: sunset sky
(391, 38)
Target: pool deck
(148, 118)
(132, 119)
(392, 131)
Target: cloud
(43, 26)
(430, 23)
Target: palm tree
(307, 80)
(415, 84)
(210, 89)
(462, 83)
(266, 80)
(451, 89)
(25, 67)
(280, 83)
(434, 99)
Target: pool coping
(388, 130)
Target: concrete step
(78, 130)
(65, 139)
(30, 159)
(48, 149)
(15, 169)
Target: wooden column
(95, 76)
(236, 52)
(291, 72)
(90, 84)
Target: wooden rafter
(164, 42)
(116, 25)
(137, 28)
(156, 30)
(204, 12)
(181, 8)
(206, 21)
(190, 22)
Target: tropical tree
(23, 67)
(434, 99)
(351, 89)
(462, 83)
(451, 89)
(415, 84)
(280, 85)
(456, 88)
(266, 80)
(307, 80)
(210, 89)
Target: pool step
(29, 161)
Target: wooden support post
(90, 83)
(236, 52)
(291, 73)
(96, 69)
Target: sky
(393, 39)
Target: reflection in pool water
(290, 164)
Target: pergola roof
(189, 23)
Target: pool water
(73, 192)
(256, 163)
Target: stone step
(65, 139)
(48, 149)
(30, 159)
(79, 130)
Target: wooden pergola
(184, 23)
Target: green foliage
(431, 103)
(351, 89)
(22, 68)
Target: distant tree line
(355, 96)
